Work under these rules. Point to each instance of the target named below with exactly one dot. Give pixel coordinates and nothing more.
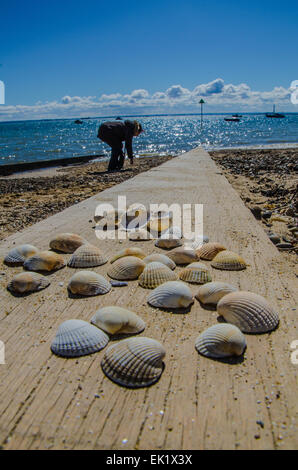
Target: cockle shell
(158, 225)
(28, 282)
(161, 259)
(209, 250)
(76, 338)
(127, 268)
(196, 273)
(228, 260)
(87, 256)
(19, 254)
(134, 362)
(44, 261)
(132, 251)
(156, 273)
(118, 320)
(223, 340)
(172, 294)
(212, 292)
(67, 242)
(182, 255)
(250, 312)
(168, 243)
(88, 283)
(140, 235)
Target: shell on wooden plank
(156, 273)
(118, 320)
(134, 362)
(212, 292)
(127, 268)
(196, 273)
(87, 256)
(161, 259)
(222, 340)
(228, 260)
(67, 242)
(140, 235)
(183, 255)
(250, 312)
(209, 250)
(88, 283)
(76, 338)
(19, 254)
(28, 282)
(44, 261)
(171, 294)
(132, 251)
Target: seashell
(250, 312)
(118, 320)
(134, 362)
(28, 282)
(159, 224)
(212, 292)
(228, 260)
(223, 340)
(67, 242)
(196, 273)
(133, 251)
(118, 283)
(161, 259)
(136, 216)
(88, 283)
(19, 254)
(127, 268)
(182, 255)
(171, 294)
(76, 338)
(87, 256)
(168, 243)
(140, 235)
(209, 250)
(156, 273)
(44, 261)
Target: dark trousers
(117, 158)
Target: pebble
(260, 423)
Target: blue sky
(70, 57)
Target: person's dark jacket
(116, 132)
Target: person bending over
(114, 133)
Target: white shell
(118, 320)
(87, 256)
(223, 340)
(156, 273)
(250, 312)
(196, 273)
(28, 282)
(209, 250)
(161, 259)
(88, 283)
(44, 261)
(172, 294)
(127, 268)
(76, 338)
(212, 292)
(228, 260)
(67, 242)
(132, 251)
(134, 362)
(183, 255)
(19, 254)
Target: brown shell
(182, 255)
(229, 261)
(127, 268)
(44, 261)
(196, 273)
(209, 250)
(67, 242)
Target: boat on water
(237, 115)
(274, 114)
(232, 119)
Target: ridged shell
(196, 273)
(196, 242)
(76, 338)
(134, 362)
(155, 274)
(161, 259)
(132, 251)
(67, 242)
(127, 268)
(212, 292)
(88, 283)
(250, 312)
(209, 250)
(118, 320)
(172, 294)
(28, 282)
(19, 254)
(183, 255)
(228, 260)
(140, 235)
(223, 340)
(44, 261)
(87, 256)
